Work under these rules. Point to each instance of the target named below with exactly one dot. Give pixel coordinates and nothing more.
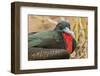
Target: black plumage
(48, 41)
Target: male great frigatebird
(59, 38)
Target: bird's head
(64, 26)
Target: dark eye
(60, 26)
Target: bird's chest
(68, 39)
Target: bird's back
(45, 39)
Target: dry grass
(78, 25)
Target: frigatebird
(61, 38)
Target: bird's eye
(60, 26)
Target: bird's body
(46, 39)
(53, 40)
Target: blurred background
(79, 25)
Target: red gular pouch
(68, 39)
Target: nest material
(47, 54)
